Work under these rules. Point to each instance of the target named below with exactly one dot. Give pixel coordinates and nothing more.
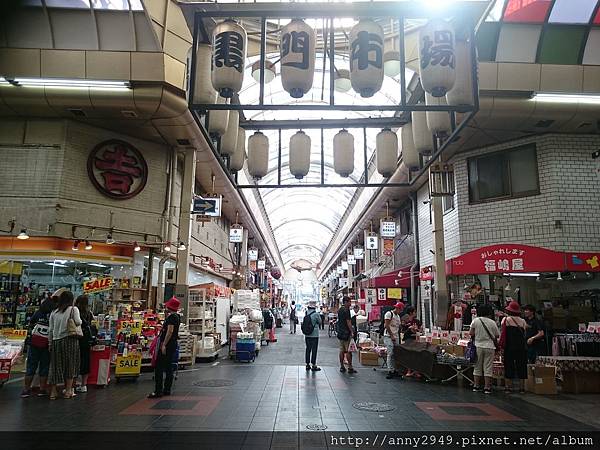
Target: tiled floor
(276, 393)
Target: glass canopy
(304, 220)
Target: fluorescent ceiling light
(566, 98)
(96, 265)
(522, 274)
(3, 81)
(56, 265)
(71, 83)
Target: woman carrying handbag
(63, 339)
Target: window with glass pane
(448, 203)
(504, 174)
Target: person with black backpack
(293, 318)
(310, 329)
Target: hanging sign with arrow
(209, 206)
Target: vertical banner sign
(252, 254)
(372, 241)
(339, 270)
(388, 247)
(261, 264)
(236, 234)
(351, 260)
(359, 253)
(387, 228)
(381, 294)
(344, 265)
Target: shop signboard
(583, 262)
(343, 282)
(344, 265)
(14, 334)
(351, 260)
(339, 270)
(371, 296)
(426, 274)
(381, 294)
(387, 228)
(98, 285)
(236, 234)
(507, 258)
(261, 264)
(372, 241)
(252, 254)
(395, 293)
(117, 169)
(388, 247)
(359, 253)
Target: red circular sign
(117, 169)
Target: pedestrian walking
(391, 336)
(345, 334)
(310, 328)
(293, 318)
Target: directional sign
(209, 206)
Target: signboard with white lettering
(372, 241)
(359, 253)
(236, 234)
(252, 254)
(387, 228)
(261, 264)
(351, 260)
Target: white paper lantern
(366, 57)
(437, 59)
(258, 155)
(229, 57)
(343, 153)
(410, 156)
(237, 160)
(438, 122)
(422, 137)
(386, 152)
(229, 139)
(297, 51)
(203, 88)
(300, 154)
(218, 119)
(462, 92)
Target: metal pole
(402, 61)
(322, 157)
(279, 160)
(263, 47)
(331, 64)
(192, 80)
(366, 177)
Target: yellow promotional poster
(98, 285)
(388, 247)
(14, 334)
(130, 326)
(11, 267)
(395, 293)
(128, 365)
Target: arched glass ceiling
(304, 220)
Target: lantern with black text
(300, 154)
(258, 155)
(422, 137)
(229, 57)
(343, 153)
(297, 51)
(437, 59)
(387, 152)
(462, 92)
(218, 119)
(204, 92)
(366, 57)
(236, 163)
(438, 121)
(229, 139)
(410, 156)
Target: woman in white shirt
(64, 348)
(486, 334)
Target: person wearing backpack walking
(38, 354)
(310, 329)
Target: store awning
(396, 278)
(517, 258)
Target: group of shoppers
(520, 339)
(59, 340)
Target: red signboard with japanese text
(507, 258)
(583, 262)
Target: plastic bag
(352, 346)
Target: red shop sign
(583, 262)
(507, 258)
(117, 169)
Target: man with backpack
(310, 329)
(345, 334)
(293, 318)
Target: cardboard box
(368, 358)
(541, 380)
(436, 341)
(581, 382)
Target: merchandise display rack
(202, 322)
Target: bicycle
(332, 330)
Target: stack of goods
(187, 349)
(9, 353)
(245, 299)
(255, 326)
(446, 357)
(245, 347)
(367, 354)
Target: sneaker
(81, 389)
(477, 389)
(342, 369)
(25, 393)
(315, 368)
(308, 367)
(487, 391)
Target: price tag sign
(372, 241)
(387, 228)
(351, 260)
(359, 253)
(236, 234)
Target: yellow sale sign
(130, 326)
(128, 365)
(98, 285)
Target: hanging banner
(351, 260)
(236, 234)
(387, 228)
(252, 254)
(381, 294)
(98, 285)
(371, 296)
(344, 265)
(359, 253)
(388, 247)
(339, 270)
(372, 241)
(261, 264)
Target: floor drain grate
(373, 406)
(316, 427)
(214, 383)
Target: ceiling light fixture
(181, 246)
(23, 234)
(71, 83)
(109, 239)
(522, 274)
(550, 97)
(136, 247)
(167, 247)
(270, 71)
(88, 245)
(559, 277)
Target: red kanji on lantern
(117, 169)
